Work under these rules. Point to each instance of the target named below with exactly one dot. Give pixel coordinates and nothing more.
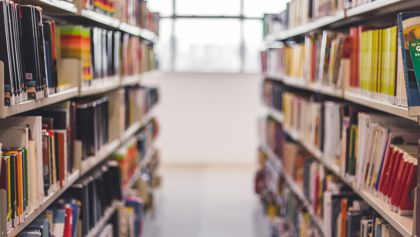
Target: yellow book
(374, 61)
(362, 59)
(9, 193)
(385, 62)
(392, 67)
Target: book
(407, 24)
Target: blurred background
(209, 60)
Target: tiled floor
(207, 202)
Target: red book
(393, 174)
(68, 222)
(354, 57)
(396, 188)
(404, 179)
(405, 202)
(384, 174)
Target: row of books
(375, 62)
(133, 154)
(130, 106)
(104, 53)
(373, 151)
(303, 11)
(38, 54)
(134, 12)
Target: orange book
(343, 217)
(19, 184)
(60, 137)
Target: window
(211, 36)
(207, 45)
(206, 7)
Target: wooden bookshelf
(403, 224)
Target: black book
(42, 54)
(32, 67)
(5, 54)
(13, 51)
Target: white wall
(208, 118)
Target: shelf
(35, 104)
(374, 8)
(100, 86)
(306, 28)
(131, 80)
(47, 202)
(294, 187)
(91, 162)
(277, 115)
(353, 97)
(131, 29)
(403, 224)
(380, 5)
(148, 35)
(54, 7)
(133, 179)
(379, 105)
(104, 220)
(304, 85)
(148, 157)
(100, 18)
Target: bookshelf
(403, 224)
(69, 70)
(102, 222)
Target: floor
(207, 201)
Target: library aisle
(207, 201)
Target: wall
(208, 118)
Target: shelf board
(131, 80)
(100, 86)
(100, 18)
(277, 115)
(148, 35)
(100, 225)
(133, 179)
(377, 7)
(91, 162)
(148, 157)
(308, 27)
(131, 29)
(379, 105)
(374, 6)
(35, 104)
(54, 7)
(46, 203)
(403, 224)
(304, 85)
